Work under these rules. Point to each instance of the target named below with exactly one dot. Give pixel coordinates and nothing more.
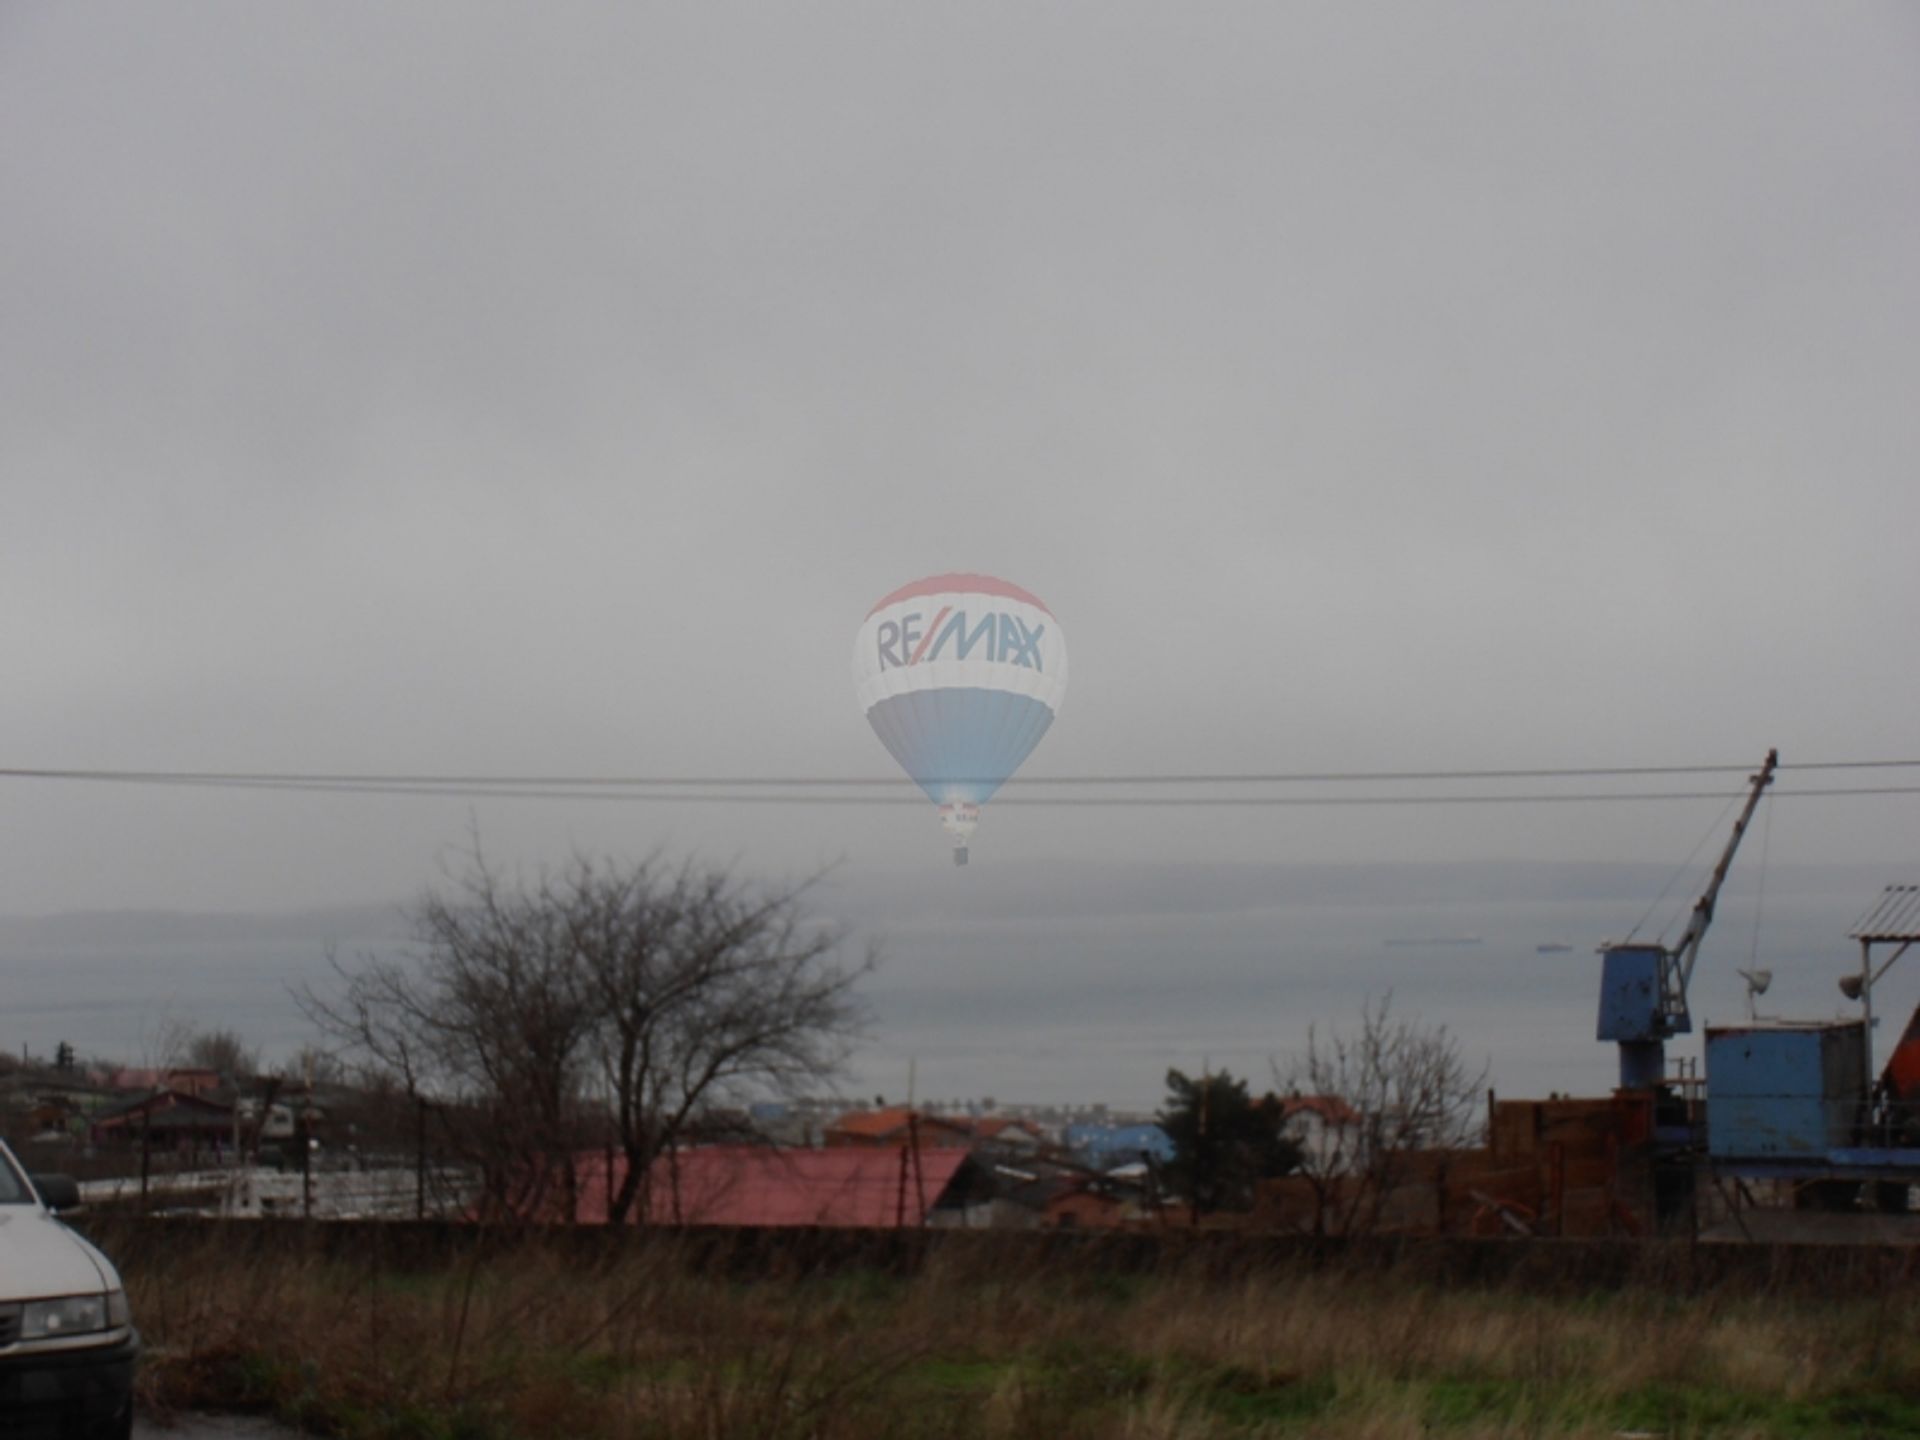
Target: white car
(67, 1342)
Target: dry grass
(533, 1343)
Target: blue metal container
(1630, 993)
(1784, 1090)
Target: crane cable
(1685, 865)
(1760, 895)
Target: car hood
(39, 1256)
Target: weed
(658, 1342)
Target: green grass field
(648, 1343)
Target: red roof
(1330, 1108)
(761, 1185)
(892, 1122)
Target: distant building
(1000, 1132)
(169, 1119)
(1094, 1207)
(182, 1079)
(898, 1125)
(1322, 1126)
(1106, 1147)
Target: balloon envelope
(960, 675)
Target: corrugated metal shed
(1895, 916)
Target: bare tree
(663, 994)
(1369, 1101)
(313, 1065)
(703, 989)
(182, 1045)
(489, 1013)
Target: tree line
(624, 1008)
(1346, 1118)
(633, 1009)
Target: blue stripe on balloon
(959, 744)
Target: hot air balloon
(960, 675)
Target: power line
(446, 788)
(466, 783)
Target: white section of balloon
(960, 674)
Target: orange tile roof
(872, 1123)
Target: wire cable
(1682, 868)
(1760, 893)
(459, 781)
(316, 785)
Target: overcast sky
(511, 389)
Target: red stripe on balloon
(961, 582)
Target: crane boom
(1677, 972)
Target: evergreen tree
(1223, 1141)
